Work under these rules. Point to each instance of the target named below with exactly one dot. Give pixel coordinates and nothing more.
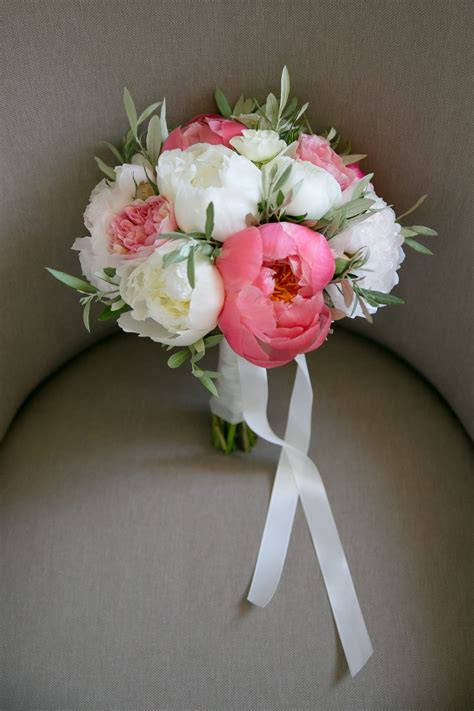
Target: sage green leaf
(361, 186)
(147, 112)
(301, 111)
(222, 103)
(284, 88)
(178, 359)
(271, 109)
(114, 150)
(131, 112)
(379, 297)
(174, 257)
(191, 268)
(209, 228)
(291, 107)
(106, 169)
(107, 314)
(407, 232)
(86, 314)
(421, 230)
(164, 125)
(153, 139)
(355, 207)
(413, 208)
(417, 246)
(208, 384)
(355, 158)
(282, 179)
(211, 341)
(72, 281)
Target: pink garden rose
(316, 150)
(205, 128)
(274, 276)
(139, 225)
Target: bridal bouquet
(247, 229)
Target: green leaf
(284, 89)
(114, 150)
(356, 207)
(355, 158)
(208, 383)
(379, 297)
(407, 232)
(209, 228)
(211, 341)
(271, 109)
(164, 125)
(110, 271)
(106, 169)
(191, 268)
(131, 112)
(153, 139)
(417, 246)
(361, 186)
(108, 314)
(421, 230)
(290, 108)
(222, 103)
(301, 111)
(86, 314)
(147, 112)
(174, 257)
(282, 179)
(72, 281)
(178, 359)
(413, 208)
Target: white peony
(203, 173)
(106, 201)
(318, 193)
(380, 234)
(164, 306)
(258, 146)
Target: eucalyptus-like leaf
(114, 150)
(284, 89)
(209, 228)
(408, 232)
(106, 169)
(153, 139)
(174, 257)
(211, 341)
(282, 179)
(412, 208)
(86, 314)
(72, 281)
(354, 158)
(164, 125)
(178, 359)
(222, 103)
(131, 112)
(417, 246)
(147, 112)
(379, 297)
(422, 230)
(208, 383)
(361, 186)
(191, 268)
(301, 111)
(271, 109)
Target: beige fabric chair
(128, 543)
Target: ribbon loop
(297, 475)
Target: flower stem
(228, 437)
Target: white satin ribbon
(297, 476)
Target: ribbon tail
(335, 570)
(284, 499)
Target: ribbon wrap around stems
(297, 477)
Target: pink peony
(316, 150)
(205, 128)
(274, 276)
(138, 225)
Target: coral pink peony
(316, 150)
(139, 225)
(274, 276)
(205, 128)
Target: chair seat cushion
(129, 543)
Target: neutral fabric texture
(392, 75)
(129, 544)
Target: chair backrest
(392, 77)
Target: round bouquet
(247, 229)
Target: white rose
(258, 146)
(201, 174)
(106, 201)
(380, 235)
(164, 306)
(318, 193)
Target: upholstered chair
(128, 542)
